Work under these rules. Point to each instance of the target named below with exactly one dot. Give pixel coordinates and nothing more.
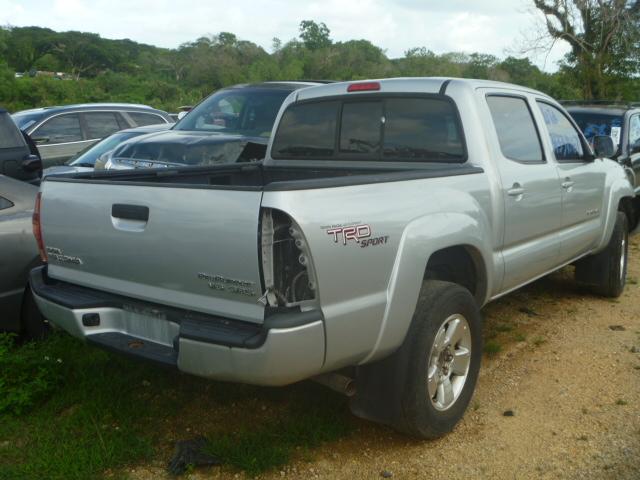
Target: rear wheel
(424, 388)
(34, 325)
(606, 271)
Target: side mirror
(32, 163)
(40, 140)
(603, 146)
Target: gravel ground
(568, 371)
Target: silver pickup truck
(359, 252)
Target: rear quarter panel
(368, 292)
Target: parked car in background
(17, 159)
(621, 122)
(61, 132)
(231, 125)
(359, 253)
(95, 155)
(18, 255)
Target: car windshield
(238, 111)
(88, 156)
(25, 119)
(593, 124)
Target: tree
(314, 35)
(604, 36)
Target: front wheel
(606, 271)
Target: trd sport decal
(359, 233)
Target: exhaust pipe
(337, 382)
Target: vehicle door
(582, 182)
(529, 187)
(59, 138)
(633, 149)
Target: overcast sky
(494, 26)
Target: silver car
(61, 132)
(18, 255)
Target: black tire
(34, 325)
(394, 391)
(606, 272)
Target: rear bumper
(286, 348)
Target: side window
(10, 136)
(143, 119)
(4, 203)
(515, 128)
(360, 128)
(101, 124)
(634, 134)
(565, 139)
(60, 129)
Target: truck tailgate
(193, 248)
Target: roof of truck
(411, 85)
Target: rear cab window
(515, 128)
(387, 128)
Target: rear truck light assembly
(37, 228)
(287, 267)
(364, 87)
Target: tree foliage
(604, 36)
(127, 71)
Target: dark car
(95, 156)
(231, 125)
(18, 255)
(622, 123)
(61, 132)
(18, 159)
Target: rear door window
(101, 124)
(61, 129)
(515, 128)
(375, 129)
(142, 119)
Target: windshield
(88, 156)
(239, 111)
(26, 119)
(593, 124)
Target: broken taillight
(37, 228)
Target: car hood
(186, 137)
(63, 169)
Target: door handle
(568, 183)
(516, 190)
(130, 212)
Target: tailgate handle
(130, 212)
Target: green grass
(76, 412)
(491, 348)
(621, 402)
(305, 426)
(504, 327)
(520, 337)
(539, 341)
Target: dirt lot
(564, 362)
